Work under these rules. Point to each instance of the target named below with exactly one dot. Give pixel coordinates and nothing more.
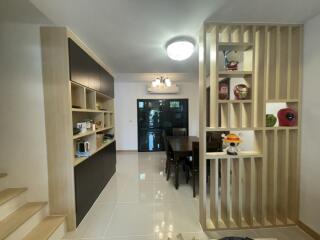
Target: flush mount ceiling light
(180, 48)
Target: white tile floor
(139, 204)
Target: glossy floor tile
(139, 204)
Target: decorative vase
(241, 91)
(224, 86)
(270, 120)
(287, 117)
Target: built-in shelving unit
(99, 109)
(260, 186)
(78, 88)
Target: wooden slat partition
(260, 187)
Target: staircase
(22, 220)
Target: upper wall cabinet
(87, 72)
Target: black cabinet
(91, 176)
(87, 72)
(78, 64)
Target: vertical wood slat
(270, 164)
(296, 170)
(225, 191)
(282, 175)
(214, 192)
(254, 75)
(246, 189)
(265, 184)
(253, 192)
(286, 178)
(213, 77)
(296, 64)
(264, 176)
(278, 61)
(258, 206)
(272, 60)
(293, 180)
(289, 62)
(235, 212)
(275, 177)
(283, 65)
(202, 127)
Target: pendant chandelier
(163, 85)
(161, 82)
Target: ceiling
(130, 35)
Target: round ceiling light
(180, 50)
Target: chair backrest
(166, 145)
(195, 155)
(165, 142)
(179, 132)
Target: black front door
(156, 116)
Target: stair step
(46, 228)
(2, 175)
(18, 218)
(10, 193)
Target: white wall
(310, 152)
(126, 95)
(22, 142)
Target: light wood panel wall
(260, 187)
(57, 101)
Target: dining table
(181, 147)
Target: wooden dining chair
(193, 166)
(179, 132)
(169, 154)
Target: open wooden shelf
(214, 129)
(282, 128)
(89, 110)
(224, 155)
(235, 101)
(233, 74)
(90, 132)
(235, 46)
(260, 186)
(282, 101)
(78, 160)
(80, 135)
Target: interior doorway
(156, 116)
